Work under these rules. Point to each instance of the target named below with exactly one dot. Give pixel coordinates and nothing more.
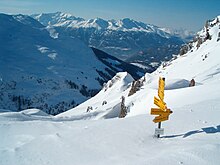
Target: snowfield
(191, 137)
(97, 137)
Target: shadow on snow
(207, 130)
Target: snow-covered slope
(200, 63)
(127, 39)
(42, 71)
(106, 104)
(192, 134)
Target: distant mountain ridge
(126, 39)
(42, 71)
(61, 19)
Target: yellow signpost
(157, 111)
(161, 88)
(162, 110)
(160, 118)
(160, 103)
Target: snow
(50, 53)
(115, 141)
(154, 64)
(52, 32)
(126, 24)
(139, 65)
(117, 85)
(192, 133)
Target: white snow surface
(192, 133)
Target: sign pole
(159, 126)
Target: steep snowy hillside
(42, 71)
(127, 39)
(199, 59)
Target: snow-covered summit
(57, 19)
(70, 21)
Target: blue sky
(189, 14)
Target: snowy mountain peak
(97, 23)
(127, 23)
(67, 20)
(57, 19)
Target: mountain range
(38, 69)
(129, 40)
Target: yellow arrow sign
(159, 103)
(157, 111)
(160, 118)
